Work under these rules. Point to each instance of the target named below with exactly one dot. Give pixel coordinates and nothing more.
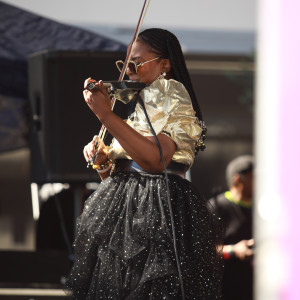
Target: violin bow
(102, 132)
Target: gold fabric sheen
(170, 111)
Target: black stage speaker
(61, 122)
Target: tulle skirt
(124, 245)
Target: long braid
(166, 45)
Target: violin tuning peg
(91, 86)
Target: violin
(124, 91)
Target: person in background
(234, 208)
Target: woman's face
(148, 72)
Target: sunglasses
(132, 66)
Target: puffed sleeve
(170, 111)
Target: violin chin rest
(125, 91)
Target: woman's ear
(166, 66)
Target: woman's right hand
(98, 100)
(92, 155)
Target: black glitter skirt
(124, 246)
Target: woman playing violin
(124, 246)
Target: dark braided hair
(166, 45)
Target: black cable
(139, 99)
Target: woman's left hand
(98, 100)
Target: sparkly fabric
(124, 247)
(170, 110)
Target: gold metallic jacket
(170, 111)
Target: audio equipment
(61, 122)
